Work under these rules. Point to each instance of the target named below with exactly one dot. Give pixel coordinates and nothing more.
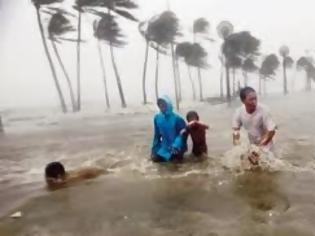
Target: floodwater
(138, 197)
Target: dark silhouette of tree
(242, 45)
(143, 29)
(194, 55)
(38, 4)
(200, 28)
(306, 64)
(268, 69)
(107, 29)
(287, 62)
(163, 31)
(224, 30)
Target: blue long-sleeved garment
(167, 127)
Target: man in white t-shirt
(256, 120)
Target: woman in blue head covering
(168, 143)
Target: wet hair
(245, 91)
(55, 170)
(192, 114)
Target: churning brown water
(137, 197)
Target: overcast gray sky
(25, 78)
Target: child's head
(192, 115)
(55, 173)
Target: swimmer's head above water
(55, 173)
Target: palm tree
(268, 69)
(184, 50)
(307, 65)
(224, 29)
(194, 55)
(102, 63)
(108, 30)
(38, 4)
(163, 30)
(200, 26)
(58, 26)
(143, 29)
(242, 45)
(79, 4)
(287, 62)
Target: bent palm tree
(164, 29)
(58, 26)
(306, 64)
(38, 4)
(143, 29)
(184, 50)
(224, 30)
(268, 69)
(107, 30)
(200, 27)
(242, 45)
(287, 62)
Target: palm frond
(201, 25)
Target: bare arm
(267, 138)
(236, 136)
(236, 126)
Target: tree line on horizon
(239, 52)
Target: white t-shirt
(256, 124)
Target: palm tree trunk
(200, 85)
(245, 78)
(260, 85)
(228, 92)
(234, 92)
(99, 47)
(144, 73)
(265, 86)
(157, 74)
(308, 86)
(179, 80)
(65, 74)
(174, 74)
(120, 89)
(79, 63)
(192, 83)
(285, 85)
(52, 67)
(221, 80)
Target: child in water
(197, 131)
(56, 176)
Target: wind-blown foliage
(163, 31)
(242, 47)
(307, 65)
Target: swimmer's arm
(267, 138)
(236, 136)
(84, 173)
